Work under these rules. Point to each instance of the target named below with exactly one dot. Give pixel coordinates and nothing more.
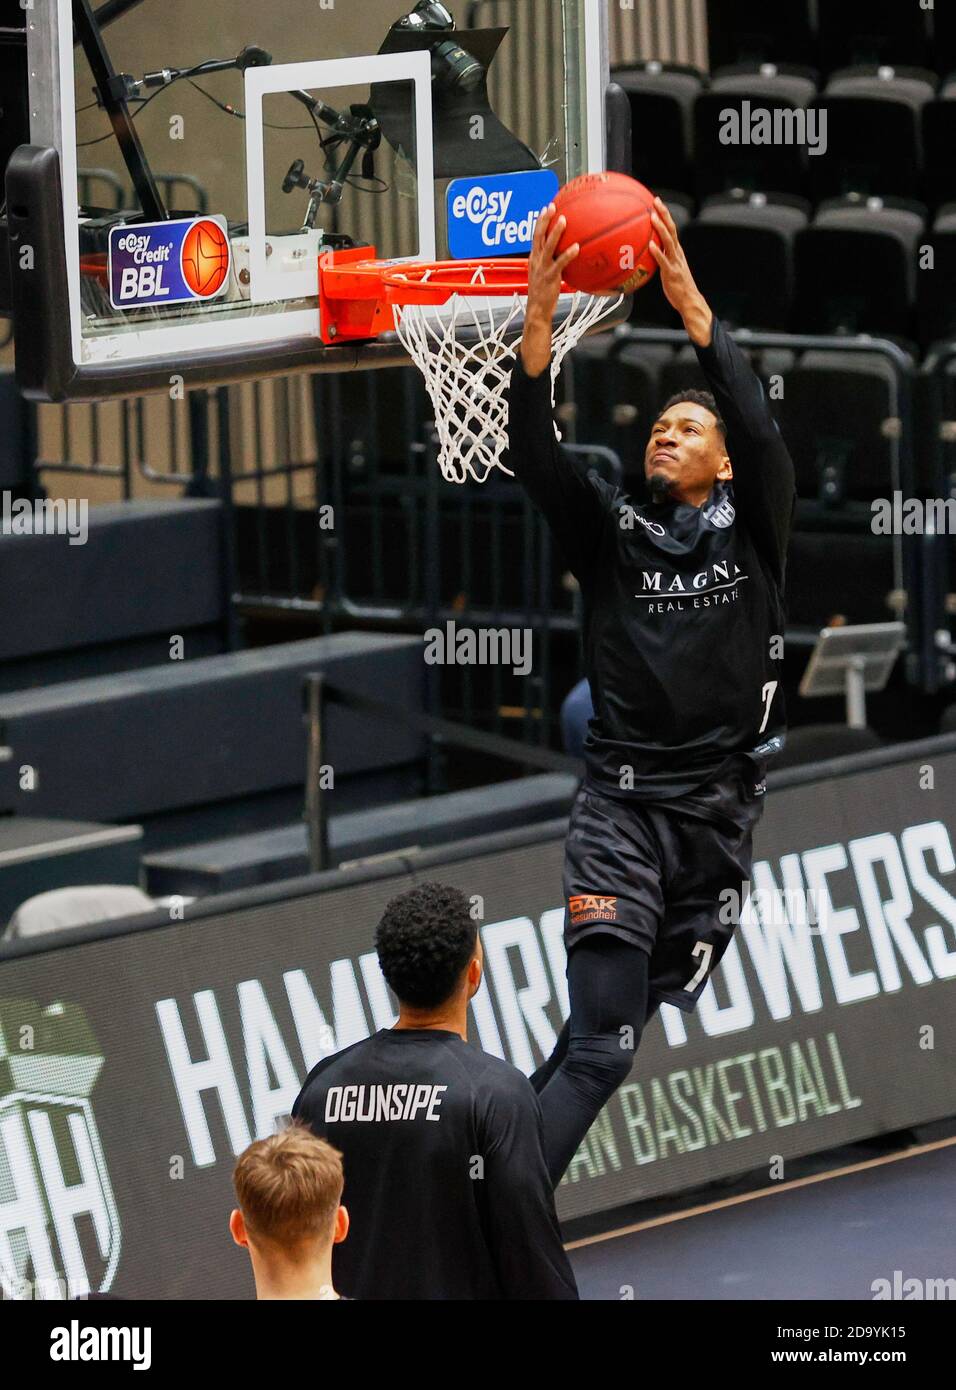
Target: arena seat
(834, 416)
(662, 97)
(872, 31)
(944, 40)
(742, 31)
(852, 245)
(615, 390)
(936, 288)
(742, 254)
(778, 166)
(874, 132)
(939, 142)
(854, 579)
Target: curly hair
(703, 398)
(424, 941)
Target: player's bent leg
(607, 985)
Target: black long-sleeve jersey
(446, 1183)
(681, 604)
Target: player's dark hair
(424, 941)
(703, 398)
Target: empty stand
(873, 31)
(615, 389)
(38, 852)
(661, 97)
(245, 860)
(145, 572)
(936, 287)
(209, 733)
(854, 580)
(852, 246)
(874, 119)
(743, 258)
(743, 31)
(944, 39)
(939, 142)
(838, 415)
(748, 131)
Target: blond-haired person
(290, 1213)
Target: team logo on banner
(168, 262)
(497, 216)
(59, 1225)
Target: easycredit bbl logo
(497, 215)
(59, 1226)
(168, 262)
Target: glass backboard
(208, 153)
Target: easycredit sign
(497, 216)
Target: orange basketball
(205, 258)
(610, 215)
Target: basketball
(205, 258)
(610, 216)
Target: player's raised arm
(764, 482)
(574, 505)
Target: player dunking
(683, 612)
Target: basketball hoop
(461, 323)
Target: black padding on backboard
(620, 153)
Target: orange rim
(434, 282)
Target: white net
(466, 352)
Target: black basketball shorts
(652, 873)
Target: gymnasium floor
(826, 1235)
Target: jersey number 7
(705, 951)
(769, 691)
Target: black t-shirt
(680, 603)
(445, 1178)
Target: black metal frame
(113, 96)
